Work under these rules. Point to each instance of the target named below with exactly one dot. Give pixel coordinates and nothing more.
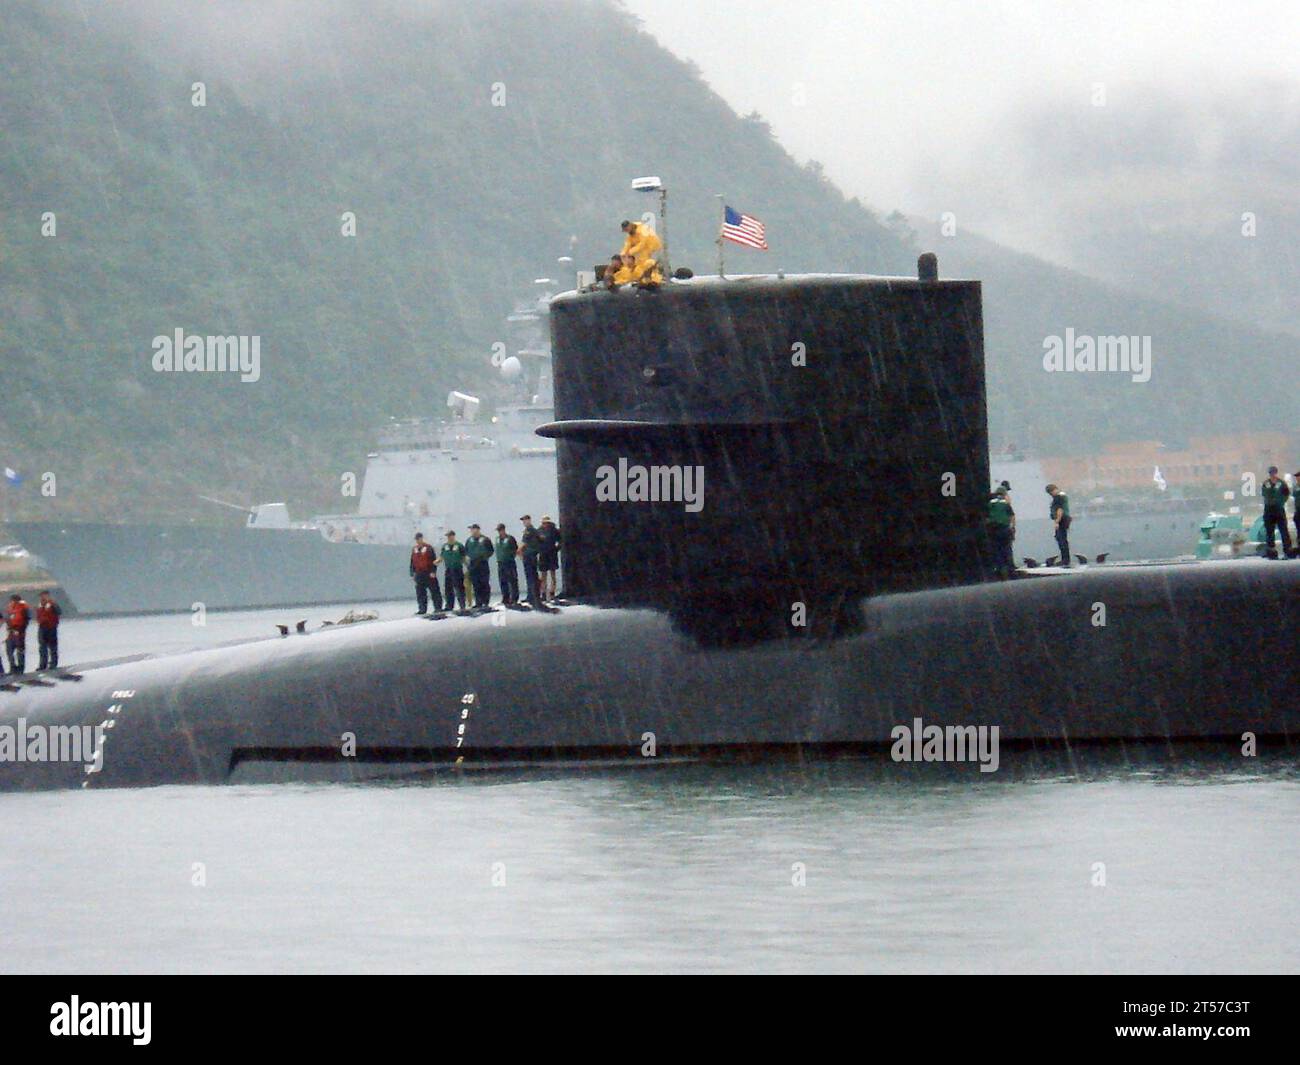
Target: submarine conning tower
(756, 440)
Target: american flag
(744, 229)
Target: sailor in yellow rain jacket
(626, 271)
(643, 244)
(619, 271)
(645, 272)
(641, 241)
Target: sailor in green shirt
(1275, 493)
(1059, 511)
(507, 550)
(478, 549)
(1002, 532)
(453, 561)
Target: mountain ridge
(227, 219)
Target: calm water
(682, 868)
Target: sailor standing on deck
(532, 545)
(47, 631)
(548, 556)
(1296, 496)
(507, 549)
(1059, 511)
(17, 615)
(423, 565)
(453, 563)
(478, 550)
(1002, 532)
(1275, 493)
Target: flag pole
(722, 203)
(663, 229)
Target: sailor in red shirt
(47, 631)
(17, 615)
(423, 562)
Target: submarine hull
(818, 585)
(1177, 652)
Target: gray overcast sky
(908, 103)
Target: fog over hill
(1178, 196)
(474, 143)
(1154, 146)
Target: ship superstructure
(430, 475)
(424, 474)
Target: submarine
(773, 494)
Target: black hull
(1181, 648)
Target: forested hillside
(474, 143)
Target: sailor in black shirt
(548, 557)
(530, 547)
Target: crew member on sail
(618, 272)
(642, 244)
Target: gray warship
(424, 474)
(778, 616)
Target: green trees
(230, 219)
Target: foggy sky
(987, 109)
